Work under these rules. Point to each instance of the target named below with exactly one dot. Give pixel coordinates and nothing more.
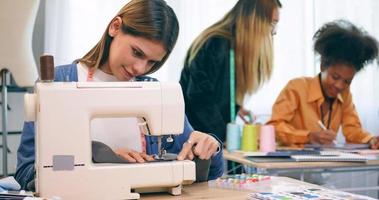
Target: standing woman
(228, 60)
(137, 42)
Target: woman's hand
(133, 156)
(246, 115)
(199, 144)
(374, 142)
(322, 137)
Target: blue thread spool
(233, 137)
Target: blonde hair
(248, 28)
(151, 19)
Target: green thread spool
(249, 138)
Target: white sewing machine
(62, 112)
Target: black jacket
(205, 84)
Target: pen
(321, 125)
(324, 128)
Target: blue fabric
(25, 171)
(9, 183)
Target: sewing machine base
(177, 190)
(83, 182)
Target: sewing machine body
(62, 114)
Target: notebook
(347, 146)
(289, 153)
(342, 157)
(270, 159)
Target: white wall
(293, 53)
(73, 27)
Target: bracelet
(217, 151)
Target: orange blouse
(297, 110)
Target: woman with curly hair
(311, 109)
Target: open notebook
(288, 153)
(342, 157)
(344, 146)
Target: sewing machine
(62, 112)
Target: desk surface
(202, 191)
(239, 158)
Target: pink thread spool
(267, 139)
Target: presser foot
(166, 156)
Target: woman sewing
(137, 42)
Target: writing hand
(322, 137)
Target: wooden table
(278, 168)
(202, 191)
(239, 158)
